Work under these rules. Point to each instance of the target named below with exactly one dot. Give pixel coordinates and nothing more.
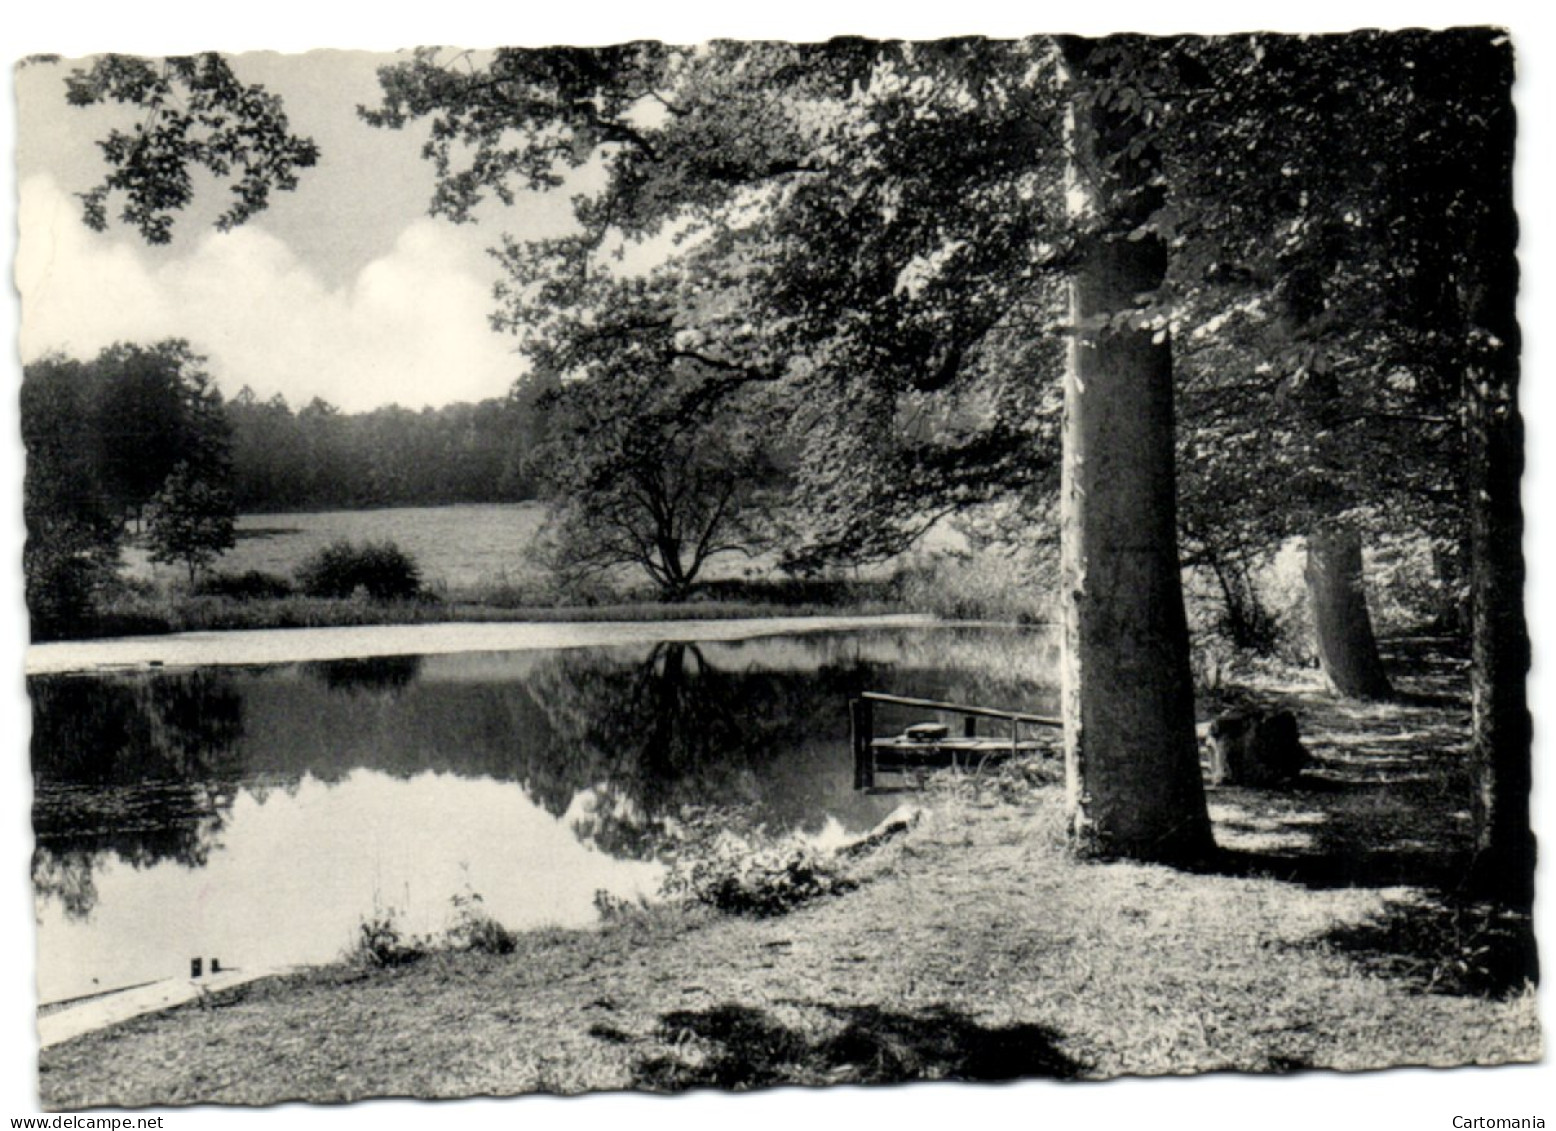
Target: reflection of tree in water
(144, 767)
(646, 743)
(377, 675)
(642, 744)
(66, 874)
(620, 741)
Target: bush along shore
(969, 944)
(348, 584)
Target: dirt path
(289, 645)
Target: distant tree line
(318, 457)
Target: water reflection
(265, 809)
(143, 769)
(372, 675)
(292, 880)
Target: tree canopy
(194, 113)
(892, 247)
(854, 222)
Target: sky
(344, 289)
(343, 271)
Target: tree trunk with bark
(1504, 866)
(1342, 624)
(1131, 754)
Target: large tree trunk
(1342, 625)
(1504, 841)
(1131, 755)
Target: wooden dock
(63, 1021)
(931, 745)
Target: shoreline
(296, 645)
(975, 945)
(972, 947)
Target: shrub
(381, 569)
(475, 929)
(381, 942)
(805, 592)
(249, 586)
(732, 875)
(611, 907)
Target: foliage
(888, 258)
(474, 929)
(102, 437)
(1327, 246)
(861, 231)
(1227, 602)
(122, 611)
(985, 586)
(734, 875)
(804, 592)
(867, 243)
(191, 522)
(641, 476)
(154, 407)
(318, 457)
(191, 111)
(249, 585)
(613, 908)
(382, 941)
(381, 569)
(73, 538)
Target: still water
(257, 815)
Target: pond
(259, 814)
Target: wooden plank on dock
(890, 753)
(959, 708)
(928, 745)
(103, 1010)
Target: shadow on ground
(1445, 947)
(1387, 803)
(739, 1047)
(1387, 797)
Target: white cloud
(411, 327)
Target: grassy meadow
(457, 547)
(475, 565)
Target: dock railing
(861, 725)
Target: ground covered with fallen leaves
(972, 946)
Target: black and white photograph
(654, 564)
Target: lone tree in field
(192, 521)
(644, 479)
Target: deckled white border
(1413, 1099)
